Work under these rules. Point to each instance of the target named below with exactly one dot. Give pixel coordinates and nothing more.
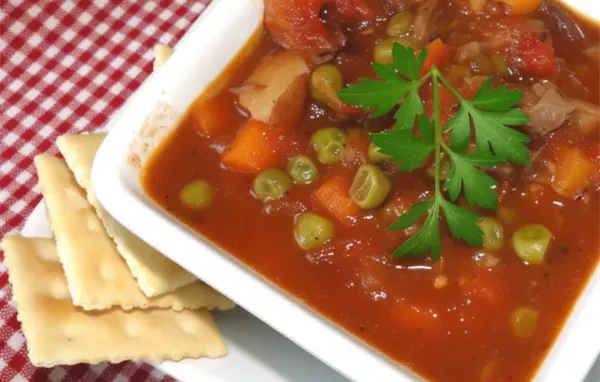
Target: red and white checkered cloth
(65, 67)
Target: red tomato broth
(460, 332)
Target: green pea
(483, 64)
(531, 243)
(370, 187)
(376, 156)
(500, 65)
(324, 81)
(196, 195)
(400, 24)
(302, 170)
(523, 321)
(312, 231)
(382, 54)
(271, 184)
(493, 233)
(329, 144)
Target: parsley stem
(448, 86)
(424, 79)
(437, 127)
(484, 121)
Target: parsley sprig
(485, 120)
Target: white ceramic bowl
(155, 109)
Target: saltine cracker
(57, 332)
(155, 273)
(97, 276)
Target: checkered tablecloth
(65, 67)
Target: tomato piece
(299, 27)
(526, 47)
(296, 25)
(536, 56)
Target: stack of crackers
(95, 292)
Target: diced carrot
(213, 116)
(332, 195)
(356, 151)
(573, 172)
(438, 54)
(419, 317)
(521, 7)
(255, 148)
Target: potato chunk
(275, 92)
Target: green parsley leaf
(487, 120)
(405, 61)
(411, 217)
(498, 99)
(404, 147)
(463, 224)
(491, 113)
(427, 240)
(460, 127)
(478, 187)
(381, 96)
(483, 160)
(426, 129)
(408, 110)
(386, 72)
(492, 131)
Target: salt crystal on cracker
(57, 332)
(97, 276)
(155, 273)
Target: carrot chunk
(255, 148)
(213, 116)
(333, 196)
(438, 54)
(574, 171)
